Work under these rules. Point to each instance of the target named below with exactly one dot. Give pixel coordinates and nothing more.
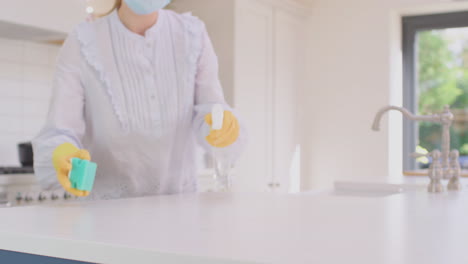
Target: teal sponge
(82, 174)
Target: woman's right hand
(61, 159)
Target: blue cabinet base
(22, 258)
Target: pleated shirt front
(146, 66)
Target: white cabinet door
(288, 66)
(253, 93)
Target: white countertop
(411, 227)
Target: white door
(253, 92)
(288, 61)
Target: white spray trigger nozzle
(217, 114)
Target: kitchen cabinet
(260, 45)
(41, 18)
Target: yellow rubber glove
(227, 135)
(61, 159)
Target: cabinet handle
(274, 185)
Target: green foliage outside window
(442, 80)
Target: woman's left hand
(227, 135)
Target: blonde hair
(117, 5)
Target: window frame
(411, 25)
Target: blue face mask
(145, 7)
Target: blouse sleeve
(65, 121)
(208, 92)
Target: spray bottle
(222, 166)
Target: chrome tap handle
(455, 172)
(435, 173)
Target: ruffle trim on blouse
(86, 35)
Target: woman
(135, 89)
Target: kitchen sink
(366, 193)
(369, 189)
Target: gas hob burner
(16, 170)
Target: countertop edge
(97, 252)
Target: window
(435, 73)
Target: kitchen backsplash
(26, 72)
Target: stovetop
(16, 170)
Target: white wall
(26, 71)
(58, 15)
(354, 70)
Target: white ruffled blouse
(137, 103)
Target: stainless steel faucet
(445, 163)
